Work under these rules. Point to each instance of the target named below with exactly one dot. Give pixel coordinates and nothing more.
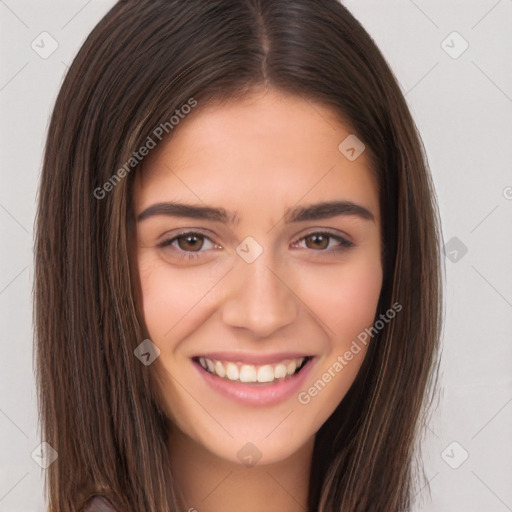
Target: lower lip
(257, 394)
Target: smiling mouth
(253, 374)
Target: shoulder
(99, 503)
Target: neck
(208, 483)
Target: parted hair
(142, 61)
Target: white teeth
(292, 366)
(249, 373)
(280, 371)
(219, 369)
(265, 373)
(232, 371)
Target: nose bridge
(259, 299)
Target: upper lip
(248, 358)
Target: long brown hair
(144, 60)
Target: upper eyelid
(329, 232)
(167, 239)
(171, 238)
(184, 232)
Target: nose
(259, 298)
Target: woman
(237, 263)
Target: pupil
(318, 239)
(191, 240)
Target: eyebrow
(318, 211)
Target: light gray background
(463, 109)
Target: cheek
(167, 296)
(345, 298)
(156, 293)
(175, 300)
(345, 302)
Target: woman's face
(251, 277)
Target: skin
(256, 157)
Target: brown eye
(188, 246)
(190, 242)
(318, 241)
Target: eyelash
(194, 255)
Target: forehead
(267, 147)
